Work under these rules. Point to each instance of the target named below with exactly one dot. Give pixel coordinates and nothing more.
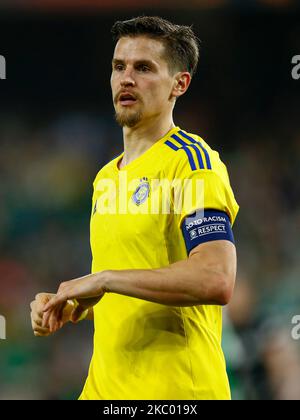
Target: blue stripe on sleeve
(208, 163)
(182, 142)
(173, 146)
(200, 160)
(187, 151)
(190, 156)
(187, 136)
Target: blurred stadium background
(57, 130)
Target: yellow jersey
(145, 350)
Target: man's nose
(127, 78)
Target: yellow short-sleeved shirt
(145, 350)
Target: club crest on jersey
(142, 192)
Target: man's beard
(128, 119)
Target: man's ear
(181, 83)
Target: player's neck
(139, 139)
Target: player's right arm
(72, 312)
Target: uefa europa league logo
(2, 67)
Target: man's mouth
(127, 99)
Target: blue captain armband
(206, 226)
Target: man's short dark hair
(181, 44)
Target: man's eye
(119, 67)
(143, 68)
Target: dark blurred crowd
(46, 186)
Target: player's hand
(86, 290)
(37, 306)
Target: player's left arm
(207, 276)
